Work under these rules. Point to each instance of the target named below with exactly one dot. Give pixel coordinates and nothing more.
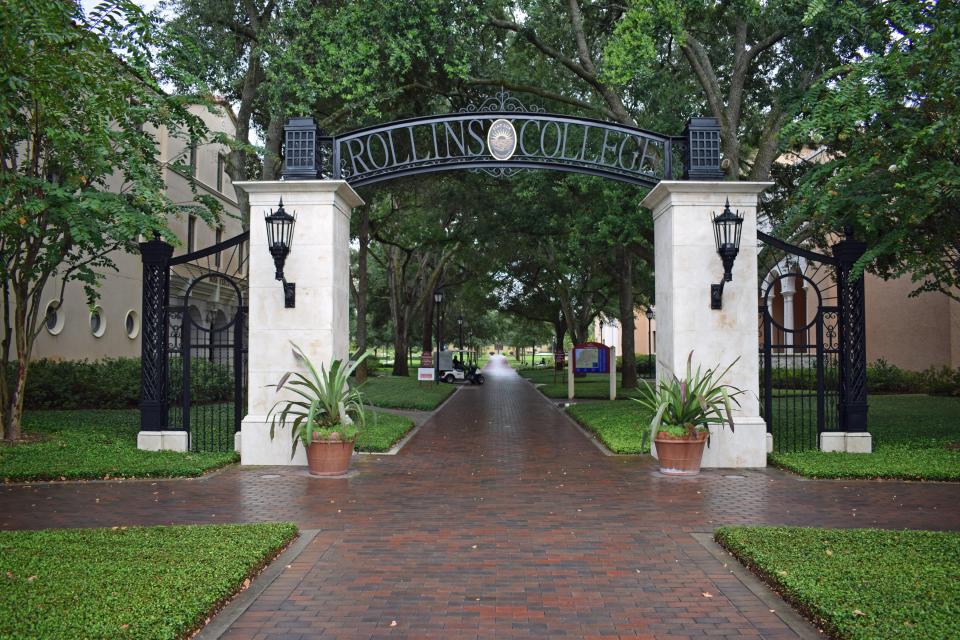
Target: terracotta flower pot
(329, 456)
(680, 456)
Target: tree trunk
(427, 332)
(559, 333)
(400, 350)
(364, 239)
(274, 140)
(627, 347)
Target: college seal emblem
(502, 139)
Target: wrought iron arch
(502, 136)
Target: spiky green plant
(681, 408)
(326, 403)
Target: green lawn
(860, 584)
(912, 438)
(397, 392)
(619, 424)
(136, 582)
(592, 386)
(95, 444)
(382, 431)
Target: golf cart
(454, 367)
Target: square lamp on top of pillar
(726, 234)
(280, 225)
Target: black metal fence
(812, 347)
(194, 343)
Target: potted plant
(325, 416)
(683, 411)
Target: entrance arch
(500, 137)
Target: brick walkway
(498, 519)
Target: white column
(319, 264)
(788, 288)
(686, 264)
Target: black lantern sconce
(726, 233)
(280, 240)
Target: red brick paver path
(498, 520)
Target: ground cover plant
(914, 438)
(73, 445)
(619, 424)
(590, 386)
(381, 431)
(862, 583)
(136, 582)
(398, 392)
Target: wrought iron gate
(812, 349)
(194, 351)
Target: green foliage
(326, 403)
(75, 445)
(681, 408)
(404, 392)
(382, 430)
(591, 386)
(859, 584)
(114, 383)
(893, 461)
(617, 424)
(882, 377)
(888, 122)
(81, 174)
(941, 382)
(913, 439)
(127, 582)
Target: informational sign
(425, 374)
(426, 361)
(559, 359)
(591, 357)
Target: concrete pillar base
(744, 448)
(846, 441)
(769, 443)
(260, 449)
(163, 441)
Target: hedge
(114, 383)
(882, 377)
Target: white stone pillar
(319, 264)
(686, 264)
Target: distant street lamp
(650, 315)
(437, 305)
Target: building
(72, 331)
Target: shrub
(883, 377)
(941, 382)
(114, 383)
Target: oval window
(132, 324)
(97, 323)
(53, 318)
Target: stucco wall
(912, 333)
(120, 291)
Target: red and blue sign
(591, 357)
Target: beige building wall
(911, 333)
(120, 291)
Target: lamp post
(437, 305)
(280, 226)
(726, 235)
(460, 325)
(650, 315)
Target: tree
(889, 124)
(75, 120)
(218, 46)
